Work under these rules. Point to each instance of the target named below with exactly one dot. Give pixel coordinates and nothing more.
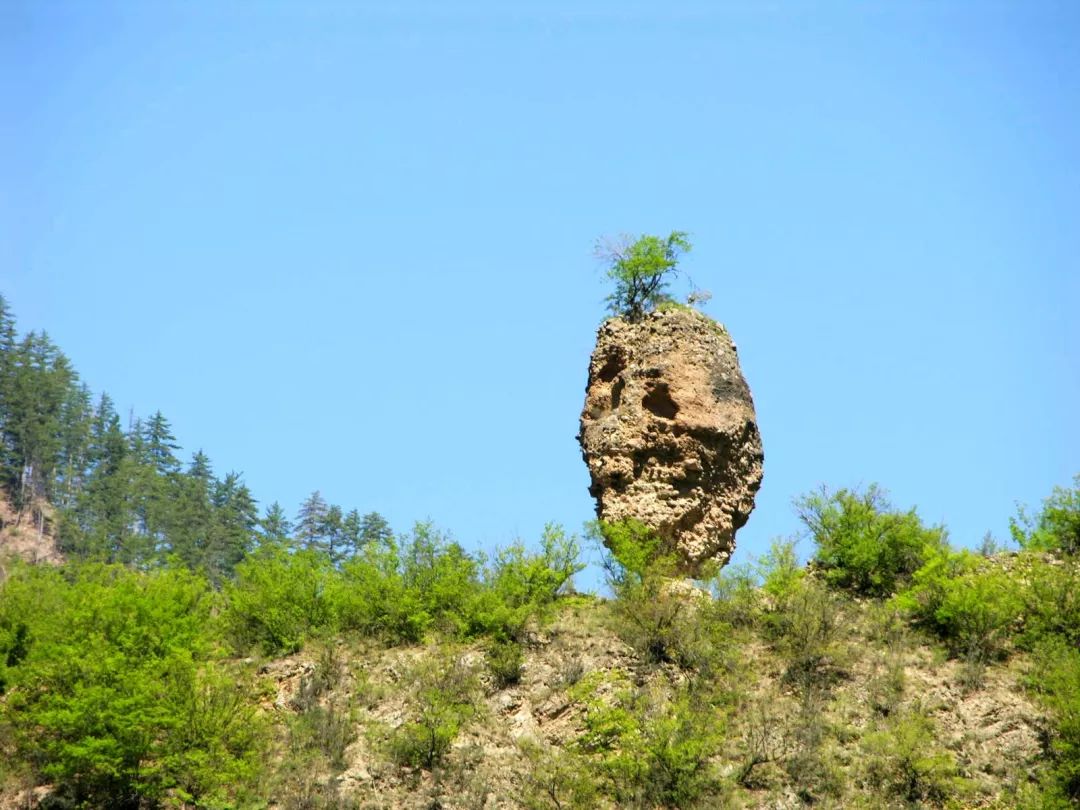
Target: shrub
(521, 584)
(278, 599)
(1051, 596)
(806, 626)
(1056, 527)
(971, 604)
(903, 759)
(863, 543)
(1057, 682)
(505, 660)
(324, 725)
(664, 619)
(780, 571)
(653, 749)
(556, 779)
(736, 596)
(117, 698)
(444, 700)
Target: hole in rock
(616, 393)
(658, 401)
(611, 368)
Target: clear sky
(347, 246)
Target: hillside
(895, 721)
(183, 651)
(416, 676)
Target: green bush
(665, 618)
(649, 747)
(556, 779)
(278, 599)
(1056, 527)
(521, 584)
(972, 604)
(116, 696)
(736, 596)
(505, 660)
(396, 593)
(1051, 594)
(780, 571)
(903, 759)
(1057, 682)
(805, 626)
(444, 699)
(863, 543)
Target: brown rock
(669, 433)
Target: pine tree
(311, 521)
(191, 521)
(159, 444)
(374, 530)
(333, 540)
(104, 512)
(232, 533)
(76, 422)
(8, 462)
(275, 526)
(40, 382)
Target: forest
(182, 648)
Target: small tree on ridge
(640, 270)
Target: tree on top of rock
(641, 269)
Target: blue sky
(347, 246)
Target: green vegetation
(1056, 527)
(863, 543)
(445, 698)
(640, 269)
(190, 653)
(115, 689)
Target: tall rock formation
(669, 434)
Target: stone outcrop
(669, 434)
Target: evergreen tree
(311, 521)
(350, 531)
(275, 526)
(374, 530)
(105, 511)
(159, 444)
(192, 516)
(232, 533)
(8, 462)
(39, 386)
(76, 422)
(333, 538)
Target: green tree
(311, 521)
(640, 270)
(105, 513)
(76, 420)
(374, 530)
(40, 381)
(863, 543)
(1056, 527)
(232, 529)
(116, 697)
(275, 526)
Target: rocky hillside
(885, 719)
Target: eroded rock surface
(669, 434)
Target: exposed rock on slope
(669, 432)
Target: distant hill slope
(24, 540)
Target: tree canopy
(641, 269)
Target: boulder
(669, 433)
